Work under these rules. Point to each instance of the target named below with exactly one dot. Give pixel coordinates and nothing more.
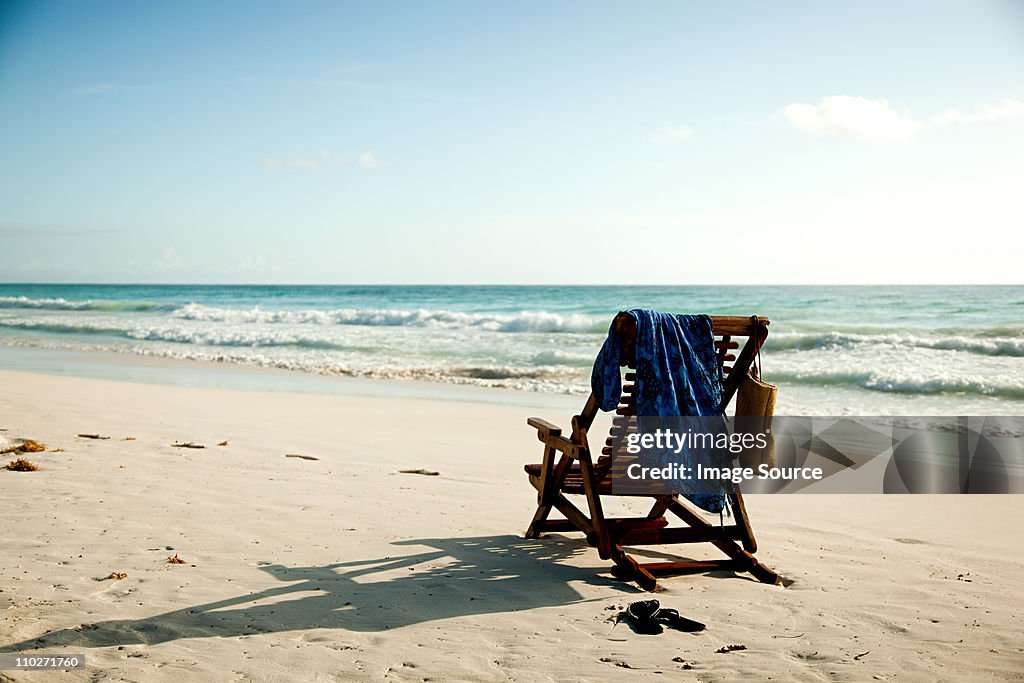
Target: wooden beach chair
(569, 468)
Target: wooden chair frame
(568, 468)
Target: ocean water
(833, 350)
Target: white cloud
(1005, 109)
(169, 260)
(876, 121)
(673, 133)
(251, 263)
(858, 117)
(367, 160)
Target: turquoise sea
(920, 350)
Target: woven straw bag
(756, 399)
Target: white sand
(341, 569)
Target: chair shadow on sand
(458, 577)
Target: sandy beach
(280, 287)
(336, 566)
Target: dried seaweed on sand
(21, 465)
(725, 649)
(26, 446)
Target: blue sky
(516, 143)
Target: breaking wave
(982, 344)
(526, 321)
(1008, 387)
(87, 305)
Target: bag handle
(758, 368)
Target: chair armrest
(544, 428)
(552, 437)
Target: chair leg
(625, 567)
(657, 510)
(575, 520)
(739, 511)
(760, 572)
(548, 488)
(628, 569)
(601, 539)
(533, 531)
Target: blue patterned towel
(676, 375)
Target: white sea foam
(202, 335)
(980, 342)
(526, 321)
(60, 304)
(907, 383)
(551, 379)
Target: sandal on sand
(672, 619)
(647, 617)
(641, 615)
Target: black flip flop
(671, 618)
(648, 617)
(641, 615)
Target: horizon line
(513, 284)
